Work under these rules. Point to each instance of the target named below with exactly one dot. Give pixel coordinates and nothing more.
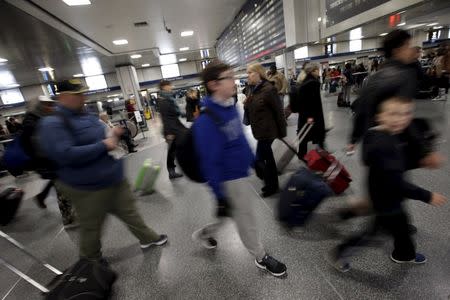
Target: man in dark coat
(172, 126)
(310, 110)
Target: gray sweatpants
(242, 199)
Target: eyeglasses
(225, 77)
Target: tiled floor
(183, 270)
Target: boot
(173, 174)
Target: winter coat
(170, 115)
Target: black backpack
(186, 155)
(10, 199)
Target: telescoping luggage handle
(300, 136)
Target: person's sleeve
(382, 156)
(59, 146)
(359, 122)
(273, 101)
(209, 147)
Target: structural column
(128, 81)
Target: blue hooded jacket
(222, 148)
(81, 156)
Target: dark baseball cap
(71, 86)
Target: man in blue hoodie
(225, 161)
(91, 178)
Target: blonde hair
(311, 67)
(258, 68)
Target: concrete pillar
(128, 81)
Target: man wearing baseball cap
(87, 175)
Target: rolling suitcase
(334, 172)
(10, 199)
(291, 148)
(85, 280)
(146, 178)
(302, 194)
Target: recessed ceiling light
(78, 75)
(432, 24)
(319, 19)
(120, 42)
(46, 69)
(135, 56)
(12, 85)
(401, 24)
(77, 2)
(3, 60)
(316, 42)
(182, 59)
(438, 27)
(184, 48)
(187, 33)
(383, 34)
(145, 65)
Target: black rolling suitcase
(301, 195)
(10, 199)
(86, 280)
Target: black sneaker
(271, 265)
(40, 202)
(419, 259)
(207, 242)
(338, 263)
(159, 242)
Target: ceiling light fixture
(13, 85)
(319, 19)
(401, 24)
(78, 75)
(134, 56)
(2, 60)
(184, 48)
(145, 65)
(120, 42)
(383, 34)
(187, 33)
(77, 2)
(46, 69)
(182, 59)
(438, 27)
(432, 24)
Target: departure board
(258, 30)
(340, 10)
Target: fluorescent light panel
(145, 65)
(432, 24)
(77, 2)
(120, 42)
(46, 69)
(401, 24)
(383, 34)
(187, 33)
(2, 60)
(135, 56)
(184, 48)
(182, 59)
(78, 75)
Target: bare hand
(433, 160)
(110, 143)
(438, 199)
(310, 120)
(118, 131)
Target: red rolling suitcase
(334, 172)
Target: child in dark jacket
(225, 161)
(383, 153)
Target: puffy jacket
(265, 112)
(393, 79)
(170, 114)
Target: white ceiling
(106, 20)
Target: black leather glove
(223, 208)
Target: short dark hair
(273, 68)
(164, 83)
(394, 40)
(212, 72)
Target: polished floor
(184, 270)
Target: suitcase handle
(300, 136)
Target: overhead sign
(340, 10)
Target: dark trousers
(171, 154)
(126, 137)
(264, 157)
(395, 225)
